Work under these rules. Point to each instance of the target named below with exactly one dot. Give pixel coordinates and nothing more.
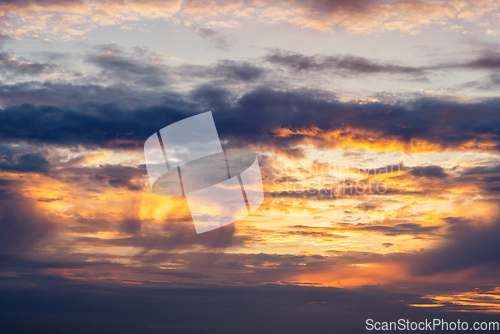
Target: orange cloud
(78, 17)
(348, 137)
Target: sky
(377, 129)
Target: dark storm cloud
(116, 176)
(126, 78)
(482, 170)
(447, 124)
(73, 95)
(99, 124)
(468, 245)
(254, 117)
(28, 162)
(120, 116)
(9, 150)
(224, 71)
(486, 178)
(344, 65)
(429, 172)
(238, 71)
(212, 97)
(22, 227)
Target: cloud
(177, 234)
(490, 60)
(288, 118)
(270, 118)
(469, 245)
(312, 231)
(75, 95)
(394, 168)
(46, 124)
(28, 162)
(365, 206)
(22, 226)
(429, 172)
(118, 66)
(223, 24)
(482, 170)
(117, 176)
(113, 232)
(220, 41)
(13, 67)
(350, 65)
(4, 38)
(68, 20)
(415, 229)
(491, 82)
(237, 71)
(368, 17)
(341, 65)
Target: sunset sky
(403, 94)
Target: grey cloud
(489, 60)
(482, 170)
(180, 234)
(116, 176)
(468, 245)
(490, 82)
(22, 226)
(28, 162)
(238, 71)
(368, 206)
(117, 65)
(429, 172)
(9, 66)
(344, 65)
(414, 229)
(219, 40)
